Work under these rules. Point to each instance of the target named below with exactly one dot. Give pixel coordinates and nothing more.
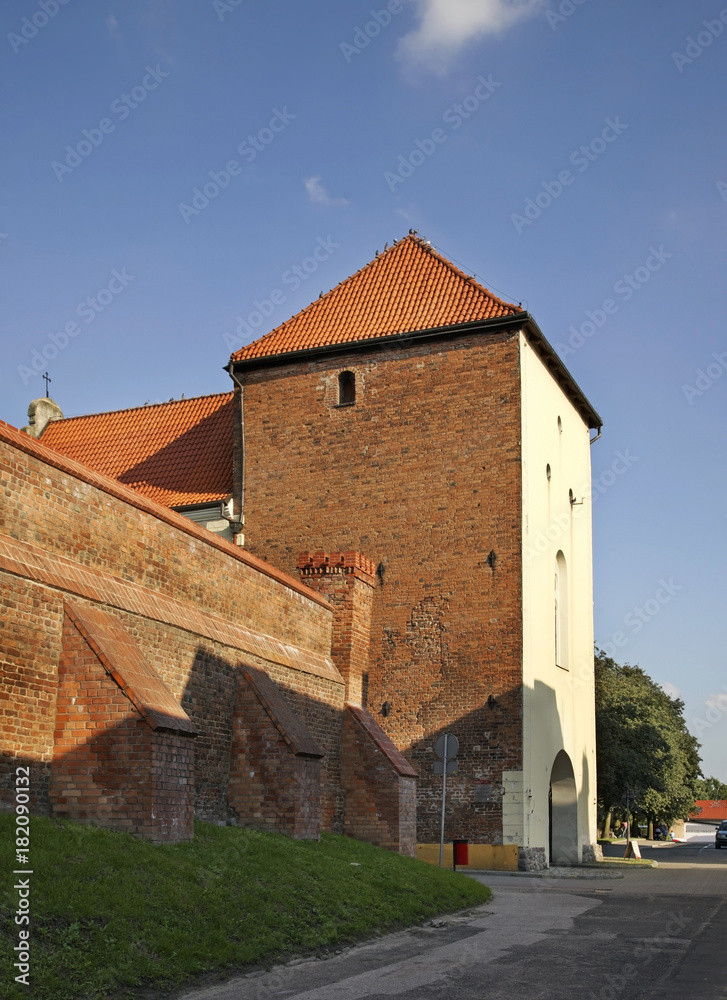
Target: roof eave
(406, 338)
(519, 320)
(558, 370)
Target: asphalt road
(698, 851)
(651, 933)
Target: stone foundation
(531, 859)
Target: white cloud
(318, 194)
(447, 25)
(671, 689)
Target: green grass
(112, 914)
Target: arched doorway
(563, 812)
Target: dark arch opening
(346, 388)
(563, 812)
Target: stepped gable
(407, 288)
(177, 453)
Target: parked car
(720, 837)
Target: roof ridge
(468, 277)
(343, 281)
(144, 406)
(463, 294)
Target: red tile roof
(177, 453)
(710, 809)
(17, 440)
(408, 287)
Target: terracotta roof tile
(710, 809)
(408, 287)
(288, 724)
(177, 453)
(382, 742)
(123, 659)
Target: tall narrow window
(561, 612)
(346, 388)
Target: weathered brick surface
(30, 639)
(194, 608)
(347, 581)
(110, 767)
(380, 786)
(423, 475)
(63, 508)
(271, 787)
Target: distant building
(709, 811)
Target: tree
(710, 789)
(643, 746)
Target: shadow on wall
(231, 720)
(202, 455)
(256, 754)
(490, 760)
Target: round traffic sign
(452, 746)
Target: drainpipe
(593, 440)
(237, 515)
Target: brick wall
(423, 475)
(30, 640)
(380, 786)
(110, 767)
(61, 507)
(347, 581)
(195, 606)
(274, 784)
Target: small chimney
(40, 413)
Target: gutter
(519, 320)
(236, 512)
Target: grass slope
(111, 913)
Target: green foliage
(710, 789)
(112, 914)
(642, 744)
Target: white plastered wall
(558, 701)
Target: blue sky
(604, 123)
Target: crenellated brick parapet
(347, 581)
(313, 565)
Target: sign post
(446, 749)
(632, 847)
